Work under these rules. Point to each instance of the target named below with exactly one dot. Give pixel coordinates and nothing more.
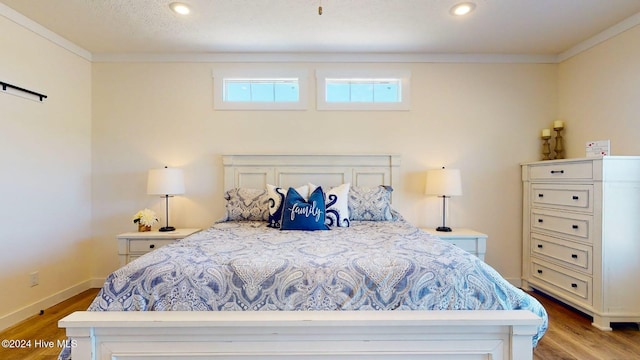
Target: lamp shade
(165, 181)
(443, 182)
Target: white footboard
(302, 335)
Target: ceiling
(523, 27)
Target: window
(261, 90)
(363, 90)
(256, 90)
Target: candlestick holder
(546, 148)
(559, 148)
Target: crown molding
(325, 58)
(605, 35)
(40, 30)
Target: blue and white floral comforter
(384, 265)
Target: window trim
(405, 89)
(220, 75)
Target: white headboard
(256, 171)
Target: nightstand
(132, 245)
(466, 239)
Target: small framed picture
(598, 148)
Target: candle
(546, 132)
(558, 124)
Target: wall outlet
(34, 279)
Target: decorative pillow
(301, 214)
(276, 197)
(370, 203)
(246, 204)
(337, 204)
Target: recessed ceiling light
(462, 8)
(180, 8)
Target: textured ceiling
(378, 26)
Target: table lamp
(166, 182)
(443, 183)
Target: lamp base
(171, 228)
(439, 228)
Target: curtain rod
(6, 85)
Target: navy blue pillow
(301, 214)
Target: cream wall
(599, 95)
(75, 165)
(45, 186)
(481, 118)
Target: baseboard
(517, 282)
(97, 283)
(25, 312)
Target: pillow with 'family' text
(276, 197)
(301, 214)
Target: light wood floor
(570, 335)
(44, 328)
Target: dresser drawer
(146, 245)
(570, 284)
(569, 197)
(562, 171)
(576, 225)
(566, 253)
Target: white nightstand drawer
(468, 240)
(562, 171)
(132, 245)
(145, 245)
(468, 245)
(569, 197)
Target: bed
(375, 287)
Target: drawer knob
(575, 197)
(540, 220)
(539, 271)
(557, 171)
(540, 195)
(574, 285)
(152, 246)
(574, 256)
(539, 246)
(574, 226)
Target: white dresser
(581, 234)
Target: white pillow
(276, 197)
(337, 205)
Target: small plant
(145, 217)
